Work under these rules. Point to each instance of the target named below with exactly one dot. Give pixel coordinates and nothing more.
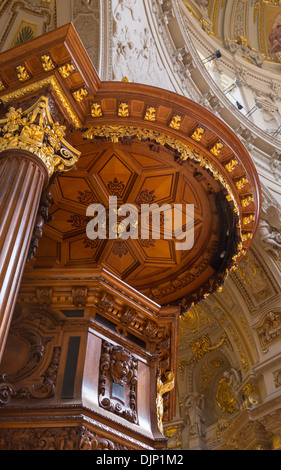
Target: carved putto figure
(121, 366)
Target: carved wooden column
(28, 142)
(22, 178)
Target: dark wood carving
(43, 217)
(91, 441)
(44, 389)
(56, 438)
(118, 381)
(37, 350)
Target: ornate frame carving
(118, 382)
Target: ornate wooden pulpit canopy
(91, 355)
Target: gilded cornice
(39, 86)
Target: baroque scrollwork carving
(39, 439)
(55, 438)
(80, 296)
(202, 346)
(91, 441)
(255, 280)
(118, 381)
(46, 386)
(43, 387)
(35, 131)
(36, 353)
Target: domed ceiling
(255, 24)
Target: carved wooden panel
(117, 382)
(29, 367)
(55, 438)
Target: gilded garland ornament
(35, 131)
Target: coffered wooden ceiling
(143, 145)
(136, 174)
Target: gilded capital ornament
(35, 131)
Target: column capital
(35, 131)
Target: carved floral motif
(120, 249)
(55, 438)
(116, 187)
(86, 197)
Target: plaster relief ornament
(134, 51)
(203, 5)
(34, 4)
